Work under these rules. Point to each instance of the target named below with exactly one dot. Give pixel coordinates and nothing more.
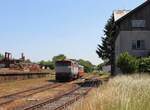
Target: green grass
(120, 93)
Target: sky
(42, 29)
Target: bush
(144, 64)
(88, 66)
(127, 63)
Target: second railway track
(9, 98)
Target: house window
(138, 23)
(138, 44)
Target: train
(67, 70)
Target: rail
(62, 101)
(11, 97)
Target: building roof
(125, 14)
(120, 13)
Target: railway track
(62, 101)
(9, 98)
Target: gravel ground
(16, 86)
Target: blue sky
(45, 28)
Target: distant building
(106, 68)
(134, 31)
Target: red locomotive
(68, 70)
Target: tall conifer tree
(106, 50)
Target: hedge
(144, 64)
(131, 64)
(127, 63)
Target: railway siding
(9, 98)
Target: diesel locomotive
(68, 70)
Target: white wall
(124, 42)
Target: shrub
(144, 64)
(127, 63)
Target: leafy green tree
(58, 58)
(88, 66)
(106, 50)
(49, 64)
(1, 56)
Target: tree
(107, 48)
(58, 58)
(99, 67)
(1, 56)
(88, 66)
(49, 64)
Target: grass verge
(120, 93)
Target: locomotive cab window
(63, 63)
